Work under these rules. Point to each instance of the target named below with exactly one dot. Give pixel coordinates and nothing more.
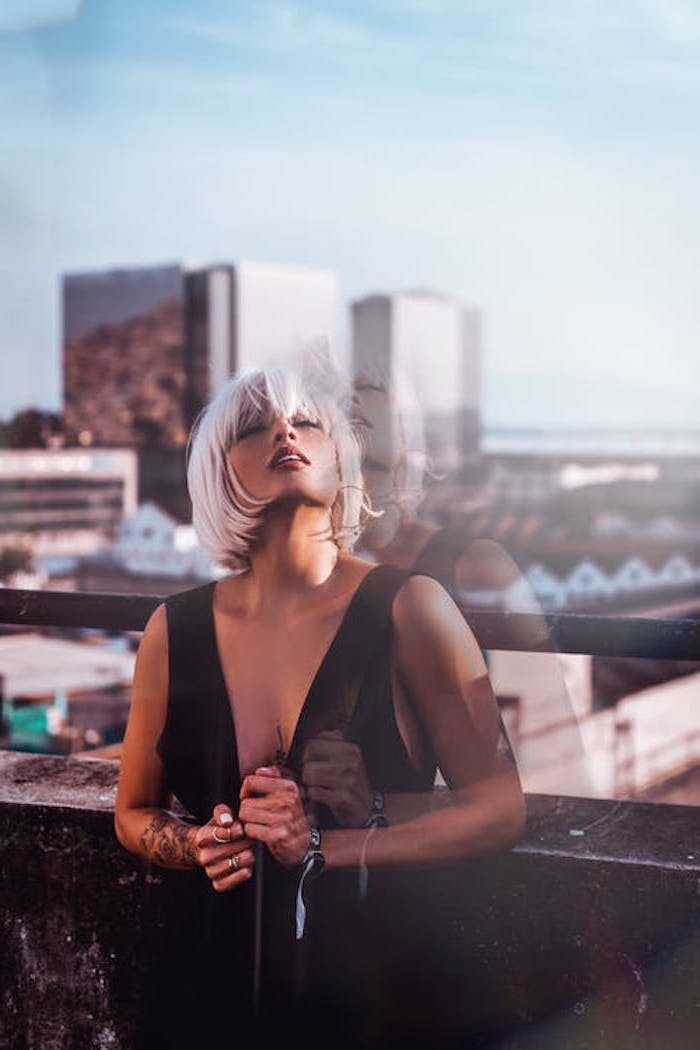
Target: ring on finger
(222, 842)
(234, 863)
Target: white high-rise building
(432, 343)
(259, 312)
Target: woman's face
(378, 425)
(280, 459)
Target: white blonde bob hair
(226, 517)
(411, 461)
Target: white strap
(308, 864)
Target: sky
(539, 161)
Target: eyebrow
(364, 385)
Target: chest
(269, 668)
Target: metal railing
(654, 638)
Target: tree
(14, 560)
(32, 428)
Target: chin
(304, 495)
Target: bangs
(372, 376)
(226, 518)
(260, 395)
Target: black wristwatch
(313, 858)
(377, 818)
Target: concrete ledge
(586, 936)
(89, 785)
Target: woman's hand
(224, 851)
(334, 773)
(272, 812)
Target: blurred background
(493, 205)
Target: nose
(283, 430)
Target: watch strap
(377, 818)
(312, 865)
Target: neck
(293, 555)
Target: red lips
(289, 454)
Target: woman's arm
(441, 668)
(443, 675)
(143, 823)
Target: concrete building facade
(64, 502)
(433, 343)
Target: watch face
(319, 862)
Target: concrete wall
(586, 936)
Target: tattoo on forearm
(166, 841)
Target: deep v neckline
(306, 707)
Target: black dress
(206, 980)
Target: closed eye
(315, 423)
(249, 431)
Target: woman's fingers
(272, 812)
(334, 773)
(323, 774)
(222, 813)
(224, 850)
(329, 745)
(263, 781)
(319, 793)
(264, 799)
(219, 829)
(231, 870)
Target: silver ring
(222, 842)
(234, 863)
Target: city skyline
(540, 166)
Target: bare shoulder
(152, 657)
(423, 597)
(485, 563)
(425, 612)
(155, 632)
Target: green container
(28, 727)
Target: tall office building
(144, 348)
(124, 357)
(431, 343)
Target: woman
(296, 710)
(473, 567)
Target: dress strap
(332, 700)
(370, 632)
(189, 637)
(198, 738)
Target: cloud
(279, 27)
(499, 47)
(678, 21)
(23, 15)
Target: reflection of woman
(465, 561)
(297, 709)
(394, 466)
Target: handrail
(653, 638)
